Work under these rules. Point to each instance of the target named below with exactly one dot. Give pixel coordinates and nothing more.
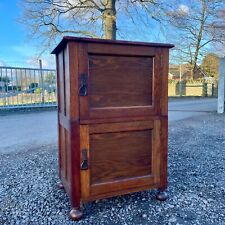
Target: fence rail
(36, 87)
(27, 87)
(198, 88)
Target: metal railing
(27, 87)
(36, 87)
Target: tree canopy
(210, 64)
(195, 26)
(89, 18)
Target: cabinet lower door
(119, 158)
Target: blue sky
(16, 49)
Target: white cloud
(184, 9)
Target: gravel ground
(28, 194)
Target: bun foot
(75, 214)
(161, 196)
(60, 185)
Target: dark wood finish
(68, 111)
(120, 81)
(121, 50)
(119, 119)
(112, 114)
(67, 39)
(110, 162)
(122, 126)
(124, 85)
(117, 89)
(164, 120)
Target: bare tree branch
(193, 26)
(51, 19)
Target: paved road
(182, 109)
(25, 130)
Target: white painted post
(221, 86)
(42, 83)
(180, 84)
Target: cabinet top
(105, 41)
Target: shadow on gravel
(28, 192)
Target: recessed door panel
(120, 155)
(120, 81)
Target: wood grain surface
(119, 155)
(120, 81)
(122, 122)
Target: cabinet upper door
(118, 81)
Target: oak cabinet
(112, 118)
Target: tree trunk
(109, 20)
(199, 39)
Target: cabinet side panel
(71, 79)
(157, 81)
(164, 116)
(64, 120)
(61, 110)
(72, 108)
(61, 76)
(58, 110)
(164, 153)
(67, 81)
(67, 96)
(164, 81)
(75, 165)
(63, 152)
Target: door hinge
(83, 85)
(161, 60)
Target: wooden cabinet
(112, 118)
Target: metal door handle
(84, 163)
(83, 85)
